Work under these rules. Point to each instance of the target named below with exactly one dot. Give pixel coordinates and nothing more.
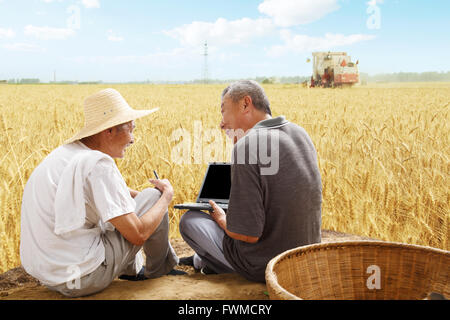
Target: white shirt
(55, 258)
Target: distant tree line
(264, 80)
(364, 77)
(36, 81)
(24, 81)
(406, 77)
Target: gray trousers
(122, 257)
(205, 237)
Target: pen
(156, 175)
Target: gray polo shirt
(276, 195)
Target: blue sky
(118, 40)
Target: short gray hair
(241, 88)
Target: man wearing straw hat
(81, 226)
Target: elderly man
(274, 205)
(81, 226)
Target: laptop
(216, 186)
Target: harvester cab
(333, 69)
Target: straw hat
(105, 109)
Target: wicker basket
(359, 270)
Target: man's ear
(246, 103)
(107, 133)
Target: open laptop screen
(217, 183)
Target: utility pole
(205, 63)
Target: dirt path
(17, 284)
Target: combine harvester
(333, 69)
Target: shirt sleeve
(245, 214)
(109, 194)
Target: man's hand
(164, 186)
(218, 215)
(220, 218)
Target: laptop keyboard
(204, 206)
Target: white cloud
(298, 43)
(221, 32)
(23, 47)
(86, 3)
(287, 13)
(91, 3)
(174, 58)
(113, 37)
(375, 2)
(281, 13)
(47, 33)
(7, 33)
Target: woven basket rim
(272, 279)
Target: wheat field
(383, 150)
